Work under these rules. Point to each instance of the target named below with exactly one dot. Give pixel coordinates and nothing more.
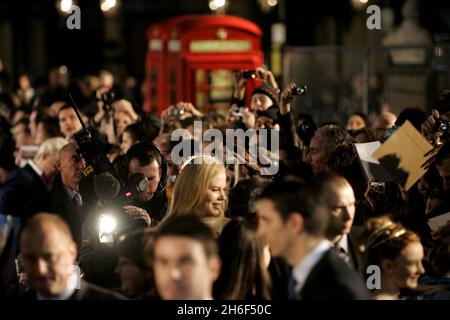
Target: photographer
(264, 96)
(144, 209)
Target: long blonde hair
(191, 185)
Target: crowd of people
(144, 226)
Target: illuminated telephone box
(193, 58)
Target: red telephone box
(193, 58)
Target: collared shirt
(343, 250)
(35, 168)
(39, 172)
(67, 292)
(303, 269)
(72, 193)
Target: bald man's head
(69, 164)
(48, 252)
(338, 196)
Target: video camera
(112, 197)
(94, 157)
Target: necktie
(76, 201)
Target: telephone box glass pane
(220, 83)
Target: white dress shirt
(303, 269)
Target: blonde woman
(201, 189)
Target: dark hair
(363, 116)
(243, 274)
(293, 196)
(242, 198)
(145, 152)
(131, 245)
(415, 115)
(51, 126)
(334, 136)
(120, 167)
(189, 226)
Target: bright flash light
(107, 224)
(272, 3)
(363, 1)
(107, 5)
(217, 4)
(66, 5)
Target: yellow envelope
(404, 155)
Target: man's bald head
(47, 225)
(338, 196)
(49, 253)
(69, 164)
(67, 150)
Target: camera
(249, 74)
(443, 127)
(107, 98)
(175, 112)
(299, 91)
(96, 160)
(89, 149)
(238, 111)
(378, 187)
(112, 198)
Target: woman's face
(260, 102)
(407, 268)
(355, 122)
(132, 278)
(126, 143)
(216, 194)
(121, 120)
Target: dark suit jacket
(57, 201)
(332, 279)
(23, 185)
(87, 291)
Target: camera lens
(299, 91)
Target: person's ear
(215, 264)
(296, 222)
(58, 165)
(73, 250)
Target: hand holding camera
(238, 111)
(288, 96)
(436, 128)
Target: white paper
(439, 221)
(372, 168)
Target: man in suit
(339, 199)
(49, 254)
(32, 180)
(20, 186)
(98, 260)
(64, 198)
(293, 220)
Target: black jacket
(98, 260)
(332, 279)
(57, 201)
(22, 185)
(87, 291)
